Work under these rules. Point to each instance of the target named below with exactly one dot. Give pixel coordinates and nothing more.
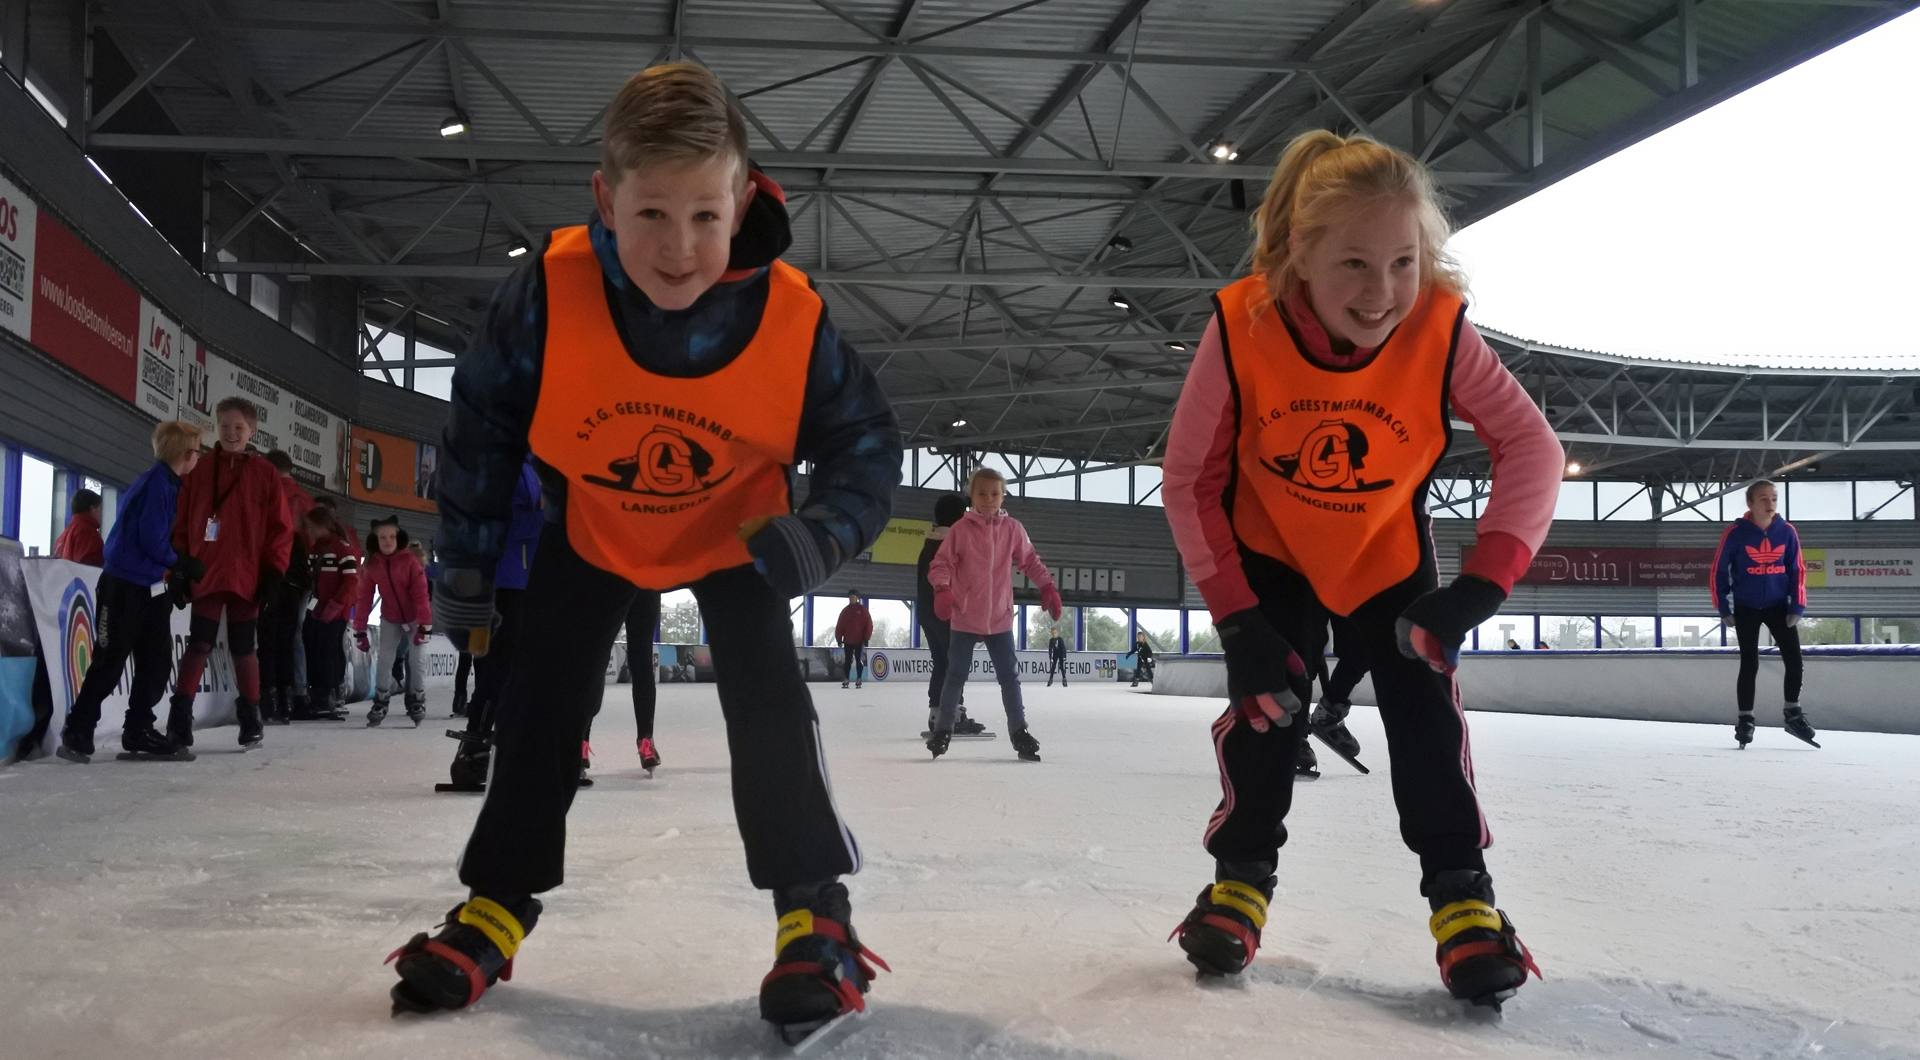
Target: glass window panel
(1832, 630)
(1807, 501)
(1496, 632)
(1890, 630)
(936, 471)
(1162, 627)
(1576, 500)
(679, 618)
(1875, 499)
(1106, 629)
(1444, 490)
(1567, 632)
(1058, 488)
(1705, 511)
(1202, 638)
(264, 294)
(1624, 500)
(1040, 627)
(37, 506)
(1109, 486)
(892, 623)
(1689, 631)
(1146, 485)
(434, 382)
(1616, 632)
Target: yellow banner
(900, 541)
(1816, 559)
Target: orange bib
(661, 471)
(1332, 464)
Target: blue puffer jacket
(523, 532)
(847, 429)
(140, 549)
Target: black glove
(178, 592)
(1433, 627)
(463, 609)
(188, 568)
(1262, 668)
(790, 554)
(267, 589)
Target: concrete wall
(1852, 689)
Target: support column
(913, 621)
(806, 620)
(1133, 626)
(1020, 615)
(1079, 629)
(1536, 634)
(10, 471)
(1186, 637)
(1597, 645)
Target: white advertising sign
(162, 349)
(17, 218)
(314, 437)
(1892, 568)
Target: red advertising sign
(84, 314)
(1653, 568)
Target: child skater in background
(972, 579)
(1759, 578)
(1316, 410)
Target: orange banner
(391, 471)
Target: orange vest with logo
(1332, 464)
(661, 471)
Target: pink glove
(1050, 599)
(360, 640)
(943, 604)
(422, 635)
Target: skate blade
(142, 756)
(1029, 756)
(649, 773)
(1345, 757)
(965, 735)
(1305, 776)
(72, 756)
(251, 745)
(460, 787)
(803, 1037)
(1487, 1006)
(586, 782)
(1805, 739)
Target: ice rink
(1683, 898)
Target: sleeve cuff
(1500, 558)
(1226, 593)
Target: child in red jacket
(231, 516)
(80, 541)
(406, 617)
(853, 631)
(336, 589)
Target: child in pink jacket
(972, 579)
(406, 617)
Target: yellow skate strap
(493, 920)
(1461, 916)
(1239, 896)
(792, 926)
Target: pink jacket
(403, 589)
(977, 561)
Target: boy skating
(853, 630)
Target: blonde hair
(990, 475)
(241, 405)
(674, 112)
(1321, 180)
(173, 439)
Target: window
(936, 471)
(1576, 500)
(1162, 628)
(434, 382)
(1890, 630)
(1106, 629)
(1805, 501)
(1448, 499)
(1826, 630)
(264, 294)
(1626, 633)
(1495, 632)
(1146, 486)
(1109, 486)
(892, 623)
(1201, 636)
(1874, 499)
(37, 507)
(1040, 627)
(1567, 632)
(679, 618)
(1623, 501)
(1687, 631)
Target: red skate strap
(846, 990)
(1237, 930)
(1487, 948)
(476, 982)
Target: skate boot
(1024, 743)
(1222, 933)
(1306, 765)
(821, 972)
(247, 712)
(1481, 959)
(965, 726)
(180, 720)
(586, 763)
(1743, 729)
(846, 684)
(459, 704)
(377, 714)
(334, 708)
(649, 755)
(1797, 723)
(1329, 722)
(473, 949)
(938, 741)
(146, 742)
(73, 751)
(279, 704)
(416, 710)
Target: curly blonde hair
(1321, 180)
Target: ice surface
(1685, 899)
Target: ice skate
(1798, 725)
(145, 744)
(586, 763)
(821, 972)
(416, 710)
(377, 714)
(274, 708)
(846, 684)
(1222, 933)
(1025, 745)
(649, 755)
(459, 705)
(67, 752)
(1306, 765)
(965, 726)
(1329, 722)
(1481, 959)
(473, 949)
(938, 741)
(469, 769)
(247, 712)
(180, 720)
(1743, 729)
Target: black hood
(766, 233)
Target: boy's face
(235, 431)
(675, 223)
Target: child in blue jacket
(132, 603)
(1759, 578)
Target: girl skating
(1759, 578)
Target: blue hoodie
(1758, 568)
(523, 531)
(140, 548)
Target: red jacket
(255, 530)
(336, 577)
(855, 625)
(402, 582)
(299, 502)
(80, 541)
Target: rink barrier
(1851, 688)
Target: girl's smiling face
(987, 495)
(1363, 274)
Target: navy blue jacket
(847, 429)
(140, 548)
(523, 532)
(1758, 568)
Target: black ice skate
(965, 726)
(1025, 745)
(1481, 959)
(1743, 729)
(1329, 722)
(1222, 933)
(1306, 765)
(1798, 725)
(145, 744)
(416, 711)
(469, 769)
(377, 714)
(70, 753)
(937, 742)
(821, 972)
(473, 949)
(180, 720)
(247, 712)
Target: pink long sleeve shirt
(1527, 462)
(977, 561)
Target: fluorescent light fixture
(517, 249)
(959, 423)
(1177, 347)
(456, 125)
(1118, 300)
(1120, 245)
(1223, 152)
(1573, 468)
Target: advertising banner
(315, 438)
(900, 541)
(195, 398)
(84, 315)
(385, 470)
(916, 664)
(1862, 568)
(62, 597)
(17, 222)
(162, 356)
(1655, 568)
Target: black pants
(1056, 661)
(129, 622)
(279, 626)
(643, 620)
(326, 657)
(936, 635)
(571, 614)
(1746, 625)
(461, 670)
(1432, 767)
(856, 656)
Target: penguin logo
(1330, 460)
(666, 463)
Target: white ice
(1685, 899)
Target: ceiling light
(1120, 245)
(1177, 347)
(456, 124)
(959, 423)
(1118, 300)
(516, 249)
(1573, 468)
(1223, 152)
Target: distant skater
(1142, 659)
(935, 632)
(1056, 658)
(853, 631)
(1759, 578)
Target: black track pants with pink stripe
(1432, 769)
